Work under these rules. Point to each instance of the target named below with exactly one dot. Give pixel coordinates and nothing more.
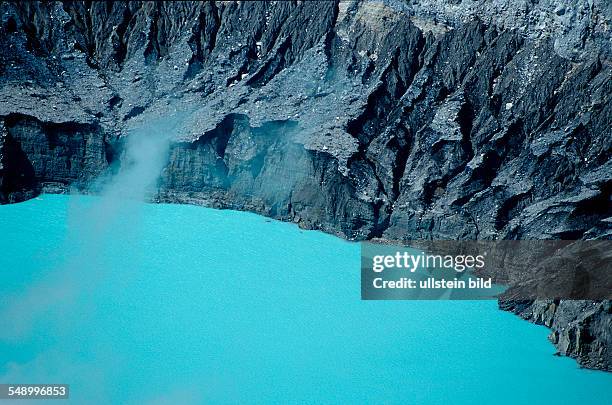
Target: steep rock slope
(367, 119)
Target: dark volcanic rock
(580, 329)
(47, 155)
(438, 119)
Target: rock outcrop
(367, 119)
(580, 329)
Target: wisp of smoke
(93, 225)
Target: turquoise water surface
(139, 303)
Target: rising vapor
(95, 224)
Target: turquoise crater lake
(143, 303)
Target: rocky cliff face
(366, 119)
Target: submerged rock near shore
(367, 119)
